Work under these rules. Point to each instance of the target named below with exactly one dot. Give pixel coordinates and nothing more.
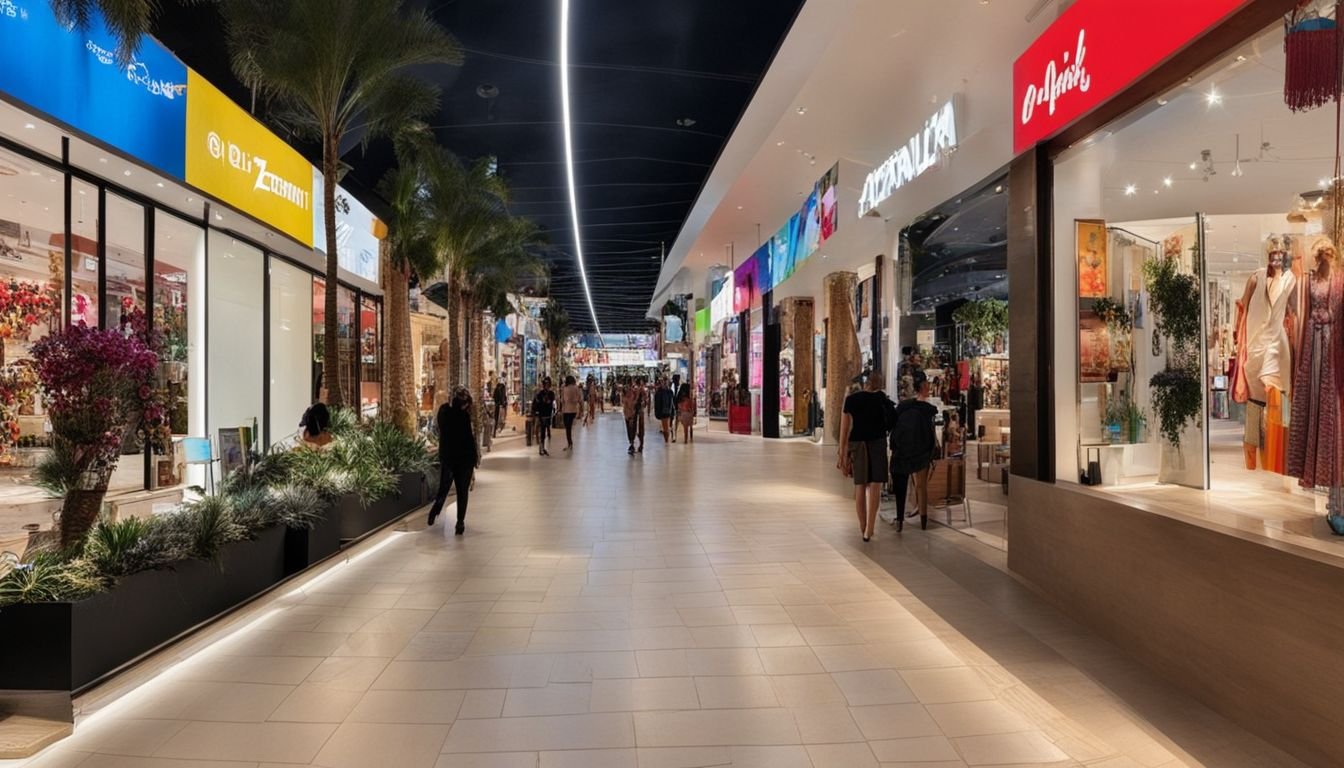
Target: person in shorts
(863, 448)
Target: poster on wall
(232, 453)
(804, 233)
(1094, 349)
(1093, 264)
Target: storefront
(143, 195)
(1175, 284)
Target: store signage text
(912, 159)
(236, 159)
(1095, 50)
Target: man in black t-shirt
(863, 448)
(543, 410)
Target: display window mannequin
(1314, 439)
(1264, 355)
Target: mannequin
(1264, 356)
(1314, 440)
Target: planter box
(304, 548)
(70, 646)
(356, 521)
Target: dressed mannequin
(1264, 356)
(1314, 437)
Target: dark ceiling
(641, 72)
(960, 248)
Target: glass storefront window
(1194, 267)
(32, 258)
(179, 318)
(125, 258)
(83, 253)
(370, 356)
(346, 341)
(236, 306)
(291, 348)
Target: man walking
(499, 394)
(633, 405)
(543, 411)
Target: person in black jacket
(913, 442)
(664, 408)
(863, 448)
(543, 411)
(458, 455)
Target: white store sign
(912, 159)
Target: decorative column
(801, 326)
(842, 347)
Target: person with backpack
(543, 411)
(664, 408)
(863, 448)
(913, 443)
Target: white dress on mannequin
(1268, 355)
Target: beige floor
(705, 605)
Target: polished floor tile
(704, 605)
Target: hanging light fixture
(1236, 167)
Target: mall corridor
(693, 606)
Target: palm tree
(555, 326)
(128, 20)
(408, 249)
(332, 68)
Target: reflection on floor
(694, 605)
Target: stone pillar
(842, 347)
(797, 320)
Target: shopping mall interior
(777, 384)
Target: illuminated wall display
(912, 159)
(236, 159)
(357, 231)
(721, 306)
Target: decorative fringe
(1312, 72)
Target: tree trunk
(82, 505)
(842, 347)
(398, 397)
(454, 361)
(475, 342)
(330, 350)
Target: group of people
(667, 404)
(870, 424)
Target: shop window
(1189, 238)
(291, 335)
(84, 269)
(370, 355)
(125, 259)
(346, 341)
(235, 334)
(179, 319)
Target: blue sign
(139, 109)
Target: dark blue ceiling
(657, 88)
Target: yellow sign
(233, 157)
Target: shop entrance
(951, 283)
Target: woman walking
(543, 410)
(664, 408)
(571, 402)
(633, 406)
(458, 457)
(913, 442)
(863, 448)
(685, 413)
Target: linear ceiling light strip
(569, 159)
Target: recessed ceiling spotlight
(1131, 190)
(102, 159)
(219, 217)
(802, 110)
(126, 172)
(190, 199)
(779, 143)
(30, 126)
(998, 190)
(1166, 182)
(739, 207)
(1157, 191)
(1162, 102)
(1193, 166)
(1213, 98)
(159, 185)
(1241, 58)
(685, 122)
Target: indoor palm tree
(128, 20)
(331, 69)
(555, 326)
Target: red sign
(1095, 50)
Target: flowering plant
(18, 384)
(97, 384)
(23, 305)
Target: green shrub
(118, 549)
(397, 452)
(297, 506)
(48, 576)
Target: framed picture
(1093, 264)
(232, 450)
(1094, 349)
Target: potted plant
(984, 321)
(1174, 298)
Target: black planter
(306, 547)
(69, 646)
(357, 520)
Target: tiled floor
(704, 605)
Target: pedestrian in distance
(685, 405)
(500, 397)
(664, 408)
(571, 403)
(863, 448)
(458, 456)
(543, 411)
(633, 406)
(913, 442)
